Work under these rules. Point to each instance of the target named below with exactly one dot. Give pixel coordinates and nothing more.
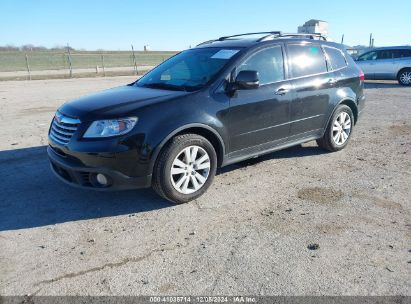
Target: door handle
(281, 91)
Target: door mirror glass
(247, 80)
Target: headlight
(112, 127)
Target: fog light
(102, 179)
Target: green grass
(55, 60)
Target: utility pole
(342, 39)
(370, 44)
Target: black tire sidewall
(174, 149)
(338, 111)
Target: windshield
(189, 70)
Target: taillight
(362, 75)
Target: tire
(199, 173)
(404, 77)
(331, 141)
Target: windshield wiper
(167, 86)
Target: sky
(178, 24)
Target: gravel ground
(295, 222)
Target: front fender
(181, 129)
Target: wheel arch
(353, 106)
(196, 128)
(401, 70)
(348, 102)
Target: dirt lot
(250, 233)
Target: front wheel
(185, 168)
(404, 77)
(339, 130)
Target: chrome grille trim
(58, 130)
(63, 128)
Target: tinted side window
(268, 63)
(306, 60)
(335, 57)
(385, 54)
(402, 53)
(368, 56)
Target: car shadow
(381, 85)
(31, 196)
(293, 152)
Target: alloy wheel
(405, 78)
(190, 169)
(341, 128)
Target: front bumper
(77, 174)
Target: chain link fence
(66, 64)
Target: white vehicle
(387, 63)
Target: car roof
(249, 42)
(401, 47)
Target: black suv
(222, 102)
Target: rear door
(402, 59)
(313, 85)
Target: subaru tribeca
(222, 102)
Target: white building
(314, 26)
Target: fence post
(28, 66)
(69, 60)
(102, 65)
(134, 60)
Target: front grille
(63, 128)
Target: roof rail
(249, 34)
(206, 42)
(308, 35)
(271, 35)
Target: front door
(367, 63)
(261, 115)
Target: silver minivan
(387, 63)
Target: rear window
(335, 58)
(306, 59)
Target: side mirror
(247, 80)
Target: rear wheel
(185, 168)
(339, 130)
(404, 77)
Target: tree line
(31, 47)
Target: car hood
(116, 102)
